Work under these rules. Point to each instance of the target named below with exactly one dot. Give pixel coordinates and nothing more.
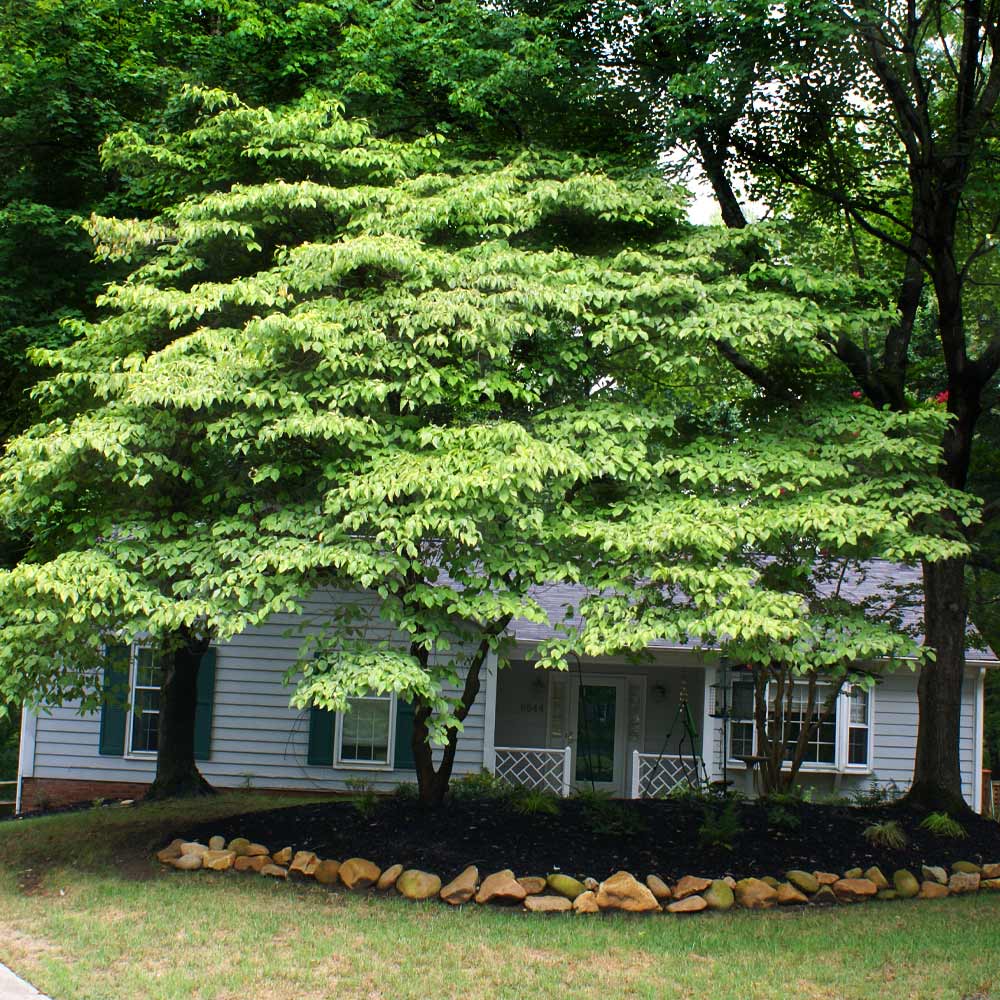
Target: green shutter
(203, 711)
(114, 710)
(404, 737)
(321, 736)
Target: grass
(84, 913)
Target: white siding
(257, 739)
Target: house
(632, 729)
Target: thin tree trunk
(177, 774)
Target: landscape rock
(275, 871)
(905, 883)
(304, 862)
(591, 883)
(934, 873)
(719, 895)
(244, 863)
(771, 881)
(874, 874)
(932, 890)
(824, 894)
(854, 890)
(991, 871)
(690, 885)
(250, 850)
(242, 847)
(171, 851)
(193, 847)
(962, 882)
(327, 872)
(826, 878)
(755, 894)
(547, 904)
(358, 873)
(854, 873)
(658, 887)
(187, 862)
(533, 885)
(730, 881)
(803, 881)
(566, 885)
(218, 861)
(966, 868)
(622, 892)
(461, 888)
(283, 856)
(992, 884)
(586, 902)
(216, 843)
(415, 884)
(788, 895)
(887, 894)
(501, 887)
(689, 904)
(389, 877)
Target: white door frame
(620, 683)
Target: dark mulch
(641, 837)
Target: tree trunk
(177, 775)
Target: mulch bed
(598, 839)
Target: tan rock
(389, 877)
(658, 887)
(533, 885)
(416, 885)
(934, 873)
(689, 904)
(252, 850)
(803, 881)
(932, 890)
(304, 862)
(719, 895)
(171, 851)
(962, 882)
(501, 887)
(788, 895)
(874, 874)
(193, 847)
(586, 902)
(241, 846)
(755, 894)
(826, 878)
(357, 873)
(327, 872)
(771, 881)
(966, 868)
(690, 885)
(623, 892)
(216, 843)
(991, 871)
(283, 856)
(730, 881)
(824, 894)
(187, 862)
(461, 888)
(591, 883)
(566, 885)
(243, 863)
(905, 883)
(547, 904)
(854, 890)
(275, 871)
(218, 861)
(853, 873)
(993, 884)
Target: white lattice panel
(659, 776)
(531, 768)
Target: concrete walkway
(15, 988)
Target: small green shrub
(940, 824)
(791, 799)
(365, 799)
(606, 817)
(405, 790)
(720, 827)
(591, 796)
(875, 795)
(535, 802)
(781, 819)
(481, 785)
(888, 834)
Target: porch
(632, 731)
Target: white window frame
(133, 671)
(842, 718)
(367, 765)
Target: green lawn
(85, 914)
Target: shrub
(481, 785)
(875, 795)
(535, 802)
(720, 827)
(405, 790)
(940, 824)
(365, 799)
(782, 820)
(604, 816)
(888, 834)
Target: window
(364, 733)
(842, 741)
(144, 702)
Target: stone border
(557, 892)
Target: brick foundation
(52, 793)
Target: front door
(597, 732)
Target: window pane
(740, 739)
(145, 721)
(742, 700)
(859, 707)
(147, 669)
(857, 745)
(365, 731)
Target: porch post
(708, 727)
(490, 715)
(635, 775)
(567, 775)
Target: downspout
(26, 754)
